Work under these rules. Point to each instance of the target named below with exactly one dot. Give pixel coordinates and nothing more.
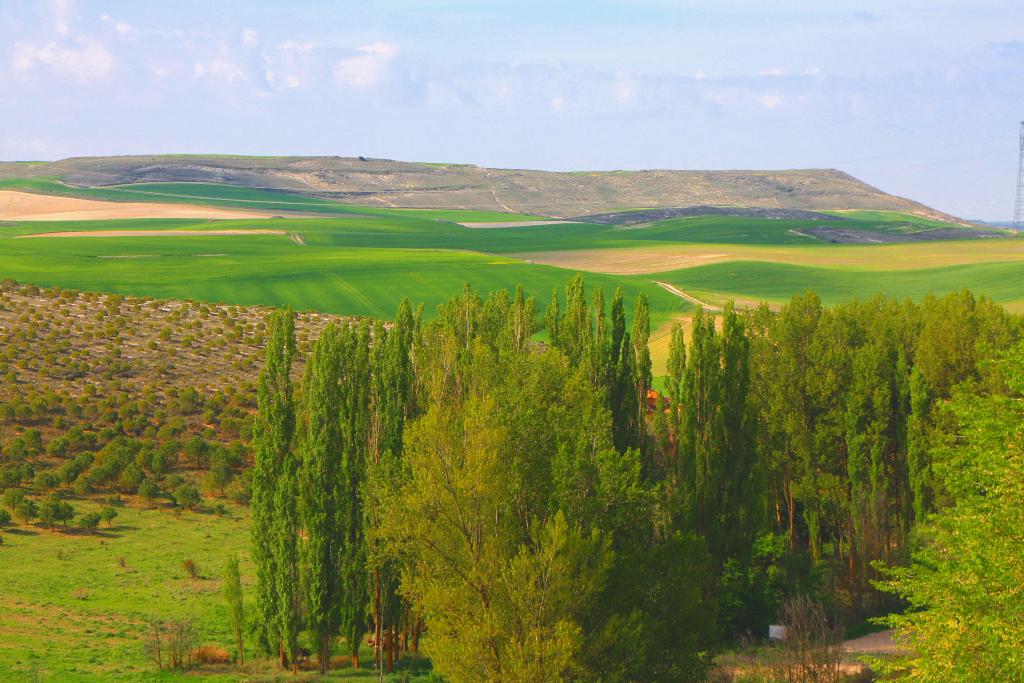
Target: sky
(920, 98)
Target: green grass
(365, 260)
(777, 282)
(919, 222)
(273, 270)
(73, 613)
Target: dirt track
(25, 206)
(672, 289)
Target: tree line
(540, 512)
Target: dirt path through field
(25, 206)
(672, 289)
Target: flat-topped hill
(361, 180)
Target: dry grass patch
(25, 206)
(906, 256)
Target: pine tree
(273, 428)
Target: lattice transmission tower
(1018, 205)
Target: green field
(274, 270)
(79, 615)
(777, 282)
(357, 260)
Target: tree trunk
(325, 653)
(280, 653)
(377, 613)
(355, 658)
(417, 626)
(791, 510)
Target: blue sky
(920, 98)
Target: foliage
(234, 602)
(963, 582)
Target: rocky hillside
(559, 194)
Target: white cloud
(623, 90)
(771, 100)
(366, 68)
(774, 71)
(296, 46)
(558, 104)
(291, 81)
(123, 27)
(249, 36)
(87, 61)
(160, 71)
(63, 10)
(813, 71)
(700, 76)
(219, 68)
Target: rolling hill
(383, 182)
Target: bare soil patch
(881, 643)
(150, 233)
(514, 224)
(25, 206)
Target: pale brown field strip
(151, 233)
(514, 224)
(25, 206)
(913, 256)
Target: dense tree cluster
(508, 483)
(963, 583)
(546, 514)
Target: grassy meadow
(80, 614)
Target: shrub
(5, 517)
(26, 510)
(45, 480)
(211, 654)
(191, 568)
(170, 645)
(187, 496)
(108, 514)
(148, 490)
(53, 510)
(89, 521)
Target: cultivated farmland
(319, 254)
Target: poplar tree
(641, 364)
(355, 407)
(236, 608)
(273, 429)
(285, 549)
(321, 490)
(553, 319)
